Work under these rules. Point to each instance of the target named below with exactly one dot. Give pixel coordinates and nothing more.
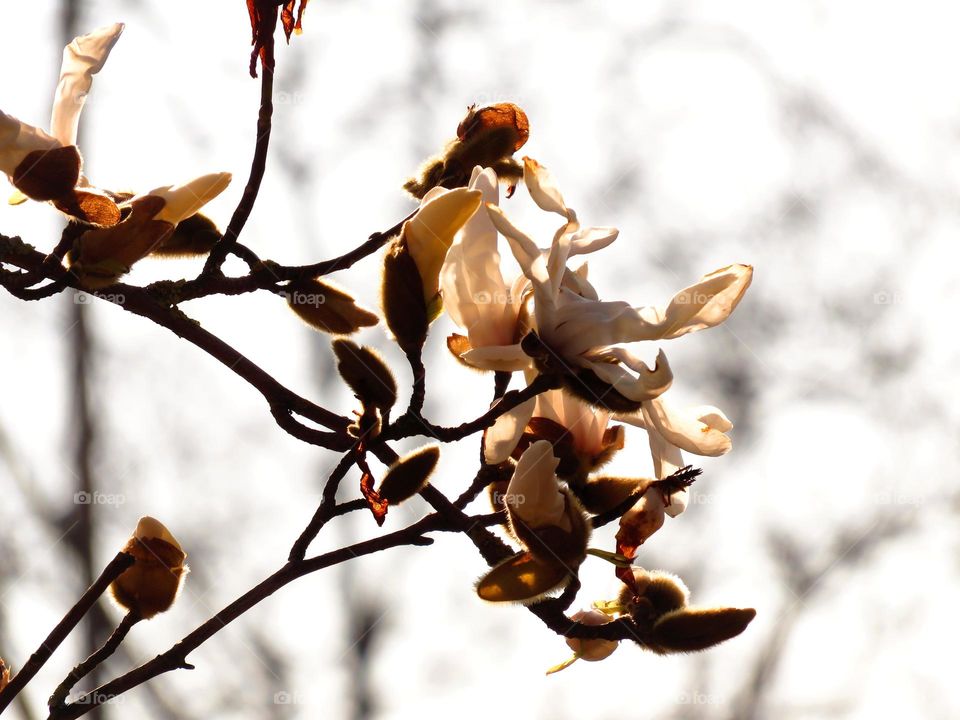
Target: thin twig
(63, 628)
(87, 666)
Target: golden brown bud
(657, 593)
(327, 308)
(407, 476)
(490, 118)
(366, 373)
(152, 583)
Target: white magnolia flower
(582, 333)
(54, 173)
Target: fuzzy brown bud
(366, 373)
(194, 236)
(327, 308)
(407, 476)
(404, 308)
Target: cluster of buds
(121, 228)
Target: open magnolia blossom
(102, 255)
(578, 335)
(48, 167)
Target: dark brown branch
(327, 508)
(87, 666)
(110, 573)
(257, 168)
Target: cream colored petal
(17, 140)
(475, 295)
(591, 239)
(699, 430)
(149, 528)
(83, 58)
(645, 385)
(543, 189)
(185, 200)
(430, 232)
(497, 357)
(533, 494)
(502, 437)
(524, 249)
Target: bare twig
(76, 613)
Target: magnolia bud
(656, 593)
(488, 137)
(407, 476)
(366, 373)
(693, 629)
(152, 583)
(327, 308)
(404, 310)
(603, 494)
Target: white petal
(543, 189)
(502, 437)
(533, 494)
(497, 357)
(699, 430)
(17, 140)
(475, 295)
(646, 385)
(678, 503)
(82, 59)
(187, 199)
(591, 239)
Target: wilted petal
(533, 494)
(82, 59)
(502, 437)
(430, 232)
(543, 189)
(182, 201)
(699, 430)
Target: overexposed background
(817, 141)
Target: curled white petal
(149, 528)
(700, 430)
(543, 189)
(83, 58)
(508, 358)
